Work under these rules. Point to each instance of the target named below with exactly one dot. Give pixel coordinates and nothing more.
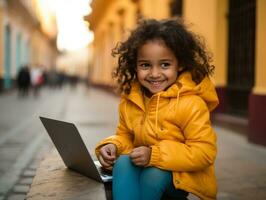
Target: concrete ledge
(54, 181)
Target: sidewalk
(22, 137)
(240, 167)
(92, 111)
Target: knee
(122, 162)
(155, 175)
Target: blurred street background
(55, 61)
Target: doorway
(241, 55)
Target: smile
(155, 83)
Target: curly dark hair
(188, 48)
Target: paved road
(23, 139)
(240, 166)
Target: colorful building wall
(257, 100)
(23, 40)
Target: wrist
(154, 155)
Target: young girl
(164, 143)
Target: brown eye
(165, 65)
(144, 66)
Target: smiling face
(157, 66)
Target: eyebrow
(143, 61)
(169, 60)
(162, 60)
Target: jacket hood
(183, 86)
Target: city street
(240, 166)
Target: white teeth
(155, 82)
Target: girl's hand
(107, 156)
(140, 156)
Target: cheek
(140, 75)
(172, 75)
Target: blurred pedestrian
(52, 78)
(36, 80)
(164, 144)
(23, 81)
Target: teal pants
(131, 182)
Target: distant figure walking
(36, 80)
(23, 81)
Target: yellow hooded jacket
(176, 124)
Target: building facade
(234, 31)
(24, 38)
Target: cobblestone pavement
(240, 166)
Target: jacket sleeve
(123, 137)
(199, 149)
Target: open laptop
(73, 151)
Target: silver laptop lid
(72, 149)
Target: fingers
(135, 154)
(109, 168)
(107, 155)
(140, 156)
(104, 163)
(112, 152)
(139, 161)
(137, 158)
(108, 152)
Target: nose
(155, 72)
